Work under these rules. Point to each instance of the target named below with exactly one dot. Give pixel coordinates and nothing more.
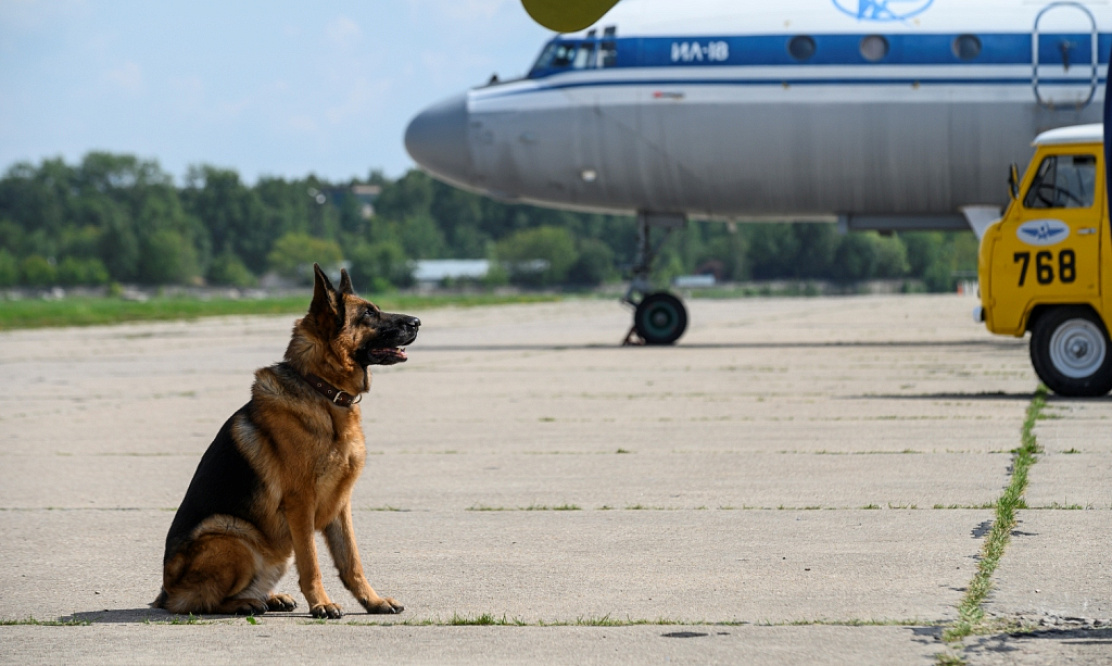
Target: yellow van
(1046, 266)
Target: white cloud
(362, 96)
(301, 123)
(128, 76)
(453, 68)
(343, 32)
(466, 10)
(186, 95)
(35, 14)
(232, 109)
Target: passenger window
(873, 47)
(801, 47)
(966, 47)
(607, 54)
(1063, 181)
(585, 56)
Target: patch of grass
(531, 507)
(607, 621)
(971, 615)
(33, 622)
(179, 620)
(949, 659)
(1071, 450)
(484, 507)
(91, 311)
(559, 507)
(1055, 506)
(986, 505)
(484, 620)
(492, 620)
(854, 622)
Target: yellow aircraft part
(567, 15)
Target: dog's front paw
(327, 611)
(280, 602)
(382, 606)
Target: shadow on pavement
(991, 343)
(986, 395)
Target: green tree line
(118, 218)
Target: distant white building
(437, 270)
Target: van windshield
(1063, 181)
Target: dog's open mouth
(386, 356)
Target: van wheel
(1071, 352)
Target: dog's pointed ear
(345, 283)
(322, 280)
(324, 295)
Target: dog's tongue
(388, 356)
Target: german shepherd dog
(283, 467)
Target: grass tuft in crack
(971, 615)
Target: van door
(1055, 251)
(1064, 56)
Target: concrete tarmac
(798, 481)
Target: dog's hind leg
(263, 587)
(217, 572)
(340, 535)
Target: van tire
(1071, 352)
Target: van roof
(1093, 133)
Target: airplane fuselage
(901, 111)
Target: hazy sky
(272, 87)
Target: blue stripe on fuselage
(842, 49)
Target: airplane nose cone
(437, 139)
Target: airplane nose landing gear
(659, 318)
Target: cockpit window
(575, 55)
(1063, 181)
(545, 57)
(564, 55)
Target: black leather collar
(338, 397)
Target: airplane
(885, 115)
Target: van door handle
(1086, 231)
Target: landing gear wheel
(1071, 352)
(660, 319)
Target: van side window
(1063, 181)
